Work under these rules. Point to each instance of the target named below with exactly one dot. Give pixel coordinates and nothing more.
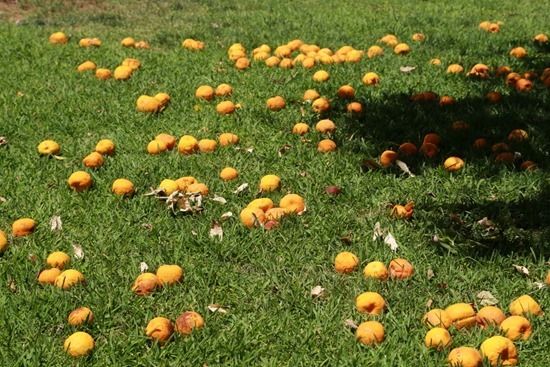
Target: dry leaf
(3, 199)
(430, 273)
(3, 140)
(216, 230)
(429, 303)
(143, 267)
(370, 165)
(522, 269)
(377, 232)
(403, 167)
(214, 307)
(407, 69)
(282, 150)
(486, 298)
(219, 199)
(11, 285)
(226, 216)
(193, 232)
(147, 226)
(486, 223)
(241, 188)
(350, 324)
(55, 223)
(317, 291)
(78, 252)
(390, 241)
(539, 285)
(59, 158)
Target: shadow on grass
(518, 223)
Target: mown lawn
(263, 278)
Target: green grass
(264, 277)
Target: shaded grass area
(264, 278)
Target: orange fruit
(58, 259)
(438, 338)
(163, 98)
(225, 108)
(272, 61)
(185, 181)
(525, 305)
(388, 157)
(325, 126)
(261, 203)
(346, 92)
(321, 76)
(376, 270)
(189, 321)
(156, 147)
(499, 351)
(389, 40)
(455, 69)
(145, 284)
(480, 144)
(493, 97)
(188, 145)
(518, 136)
(79, 181)
(105, 146)
(48, 276)
(48, 147)
(159, 329)
(276, 103)
(123, 72)
(354, 107)
(345, 262)
(371, 78)
(418, 37)
(326, 146)
(453, 164)
(432, 138)
(131, 62)
(58, 38)
(205, 92)
(463, 315)
(275, 214)
(370, 332)
(374, 51)
(79, 344)
(128, 42)
(23, 227)
(300, 128)
(516, 327)
(437, 318)
(148, 104)
(407, 149)
(93, 160)
(518, 52)
(311, 95)
(401, 269)
(207, 145)
(370, 303)
(86, 66)
(103, 74)
(229, 174)
(167, 139)
(242, 63)
(223, 90)
(169, 274)
(430, 150)
(270, 183)
(197, 188)
(490, 315)
(68, 279)
(226, 139)
(401, 49)
(252, 217)
(123, 187)
(465, 357)
(541, 38)
(80, 316)
(168, 186)
(523, 85)
(292, 203)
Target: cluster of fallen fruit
(497, 349)
(262, 212)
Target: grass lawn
(263, 278)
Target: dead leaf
(143, 267)
(59, 158)
(3, 140)
(539, 285)
(370, 165)
(55, 223)
(226, 216)
(486, 298)
(522, 269)
(3, 199)
(303, 174)
(282, 150)
(377, 232)
(486, 223)
(430, 273)
(403, 167)
(147, 226)
(429, 303)
(347, 239)
(407, 69)
(317, 291)
(190, 202)
(20, 94)
(390, 241)
(350, 324)
(78, 252)
(193, 232)
(241, 188)
(214, 307)
(219, 199)
(216, 230)
(11, 285)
